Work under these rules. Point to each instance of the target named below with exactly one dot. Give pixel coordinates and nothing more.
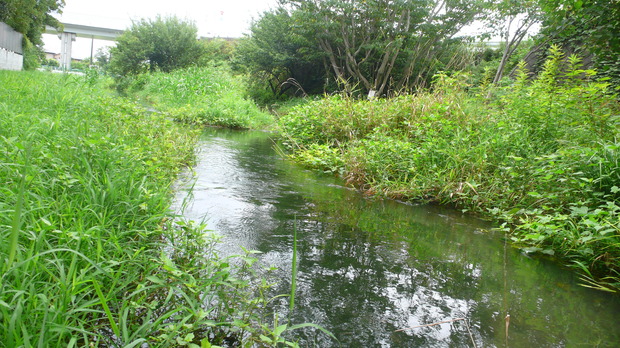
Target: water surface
(368, 268)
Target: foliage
(218, 50)
(357, 46)
(206, 96)
(30, 17)
(81, 65)
(586, 27)
(322, 157)
(486, 62)
(32, 55)
(282, 59)
(102, 58)
(512, 20)
(543, 156)
(51, 62)
(160, 44)
(90, 254)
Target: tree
(512, 19)
(279, 54)
(435, 47)
(218, 50)
(162, 44)
(588, 27)
(51, 62)
(381, 44)
(30, 17)
(102, 58)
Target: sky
(223, 18)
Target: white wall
(10, 60)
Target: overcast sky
(223, 18)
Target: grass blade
(104, 304)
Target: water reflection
(369, 268)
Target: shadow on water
(367, 268)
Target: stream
(370, 270)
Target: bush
(32, 55)
(161, 44)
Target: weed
(204, 96)
(542, 155)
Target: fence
(11, 51)
(10, 40)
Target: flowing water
(369, 268)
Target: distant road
(87, 31)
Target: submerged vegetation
(90, 254)
(542, 156)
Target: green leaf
(578, 4)
(206, 344)
(155, 279)
(279, 330)
(607, 230)
(580, 211)
(530, 250)
(104, 304)
(135, 343)
(325, 331)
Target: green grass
(90, 253)
(206, 96)
(542, 156)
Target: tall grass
(89, 252)
(541, 155)
(206, 95)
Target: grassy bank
(89, 253)
(542, 156)
(205, 96)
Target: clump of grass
(542, 155)
(206, 95)
(89, 252)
